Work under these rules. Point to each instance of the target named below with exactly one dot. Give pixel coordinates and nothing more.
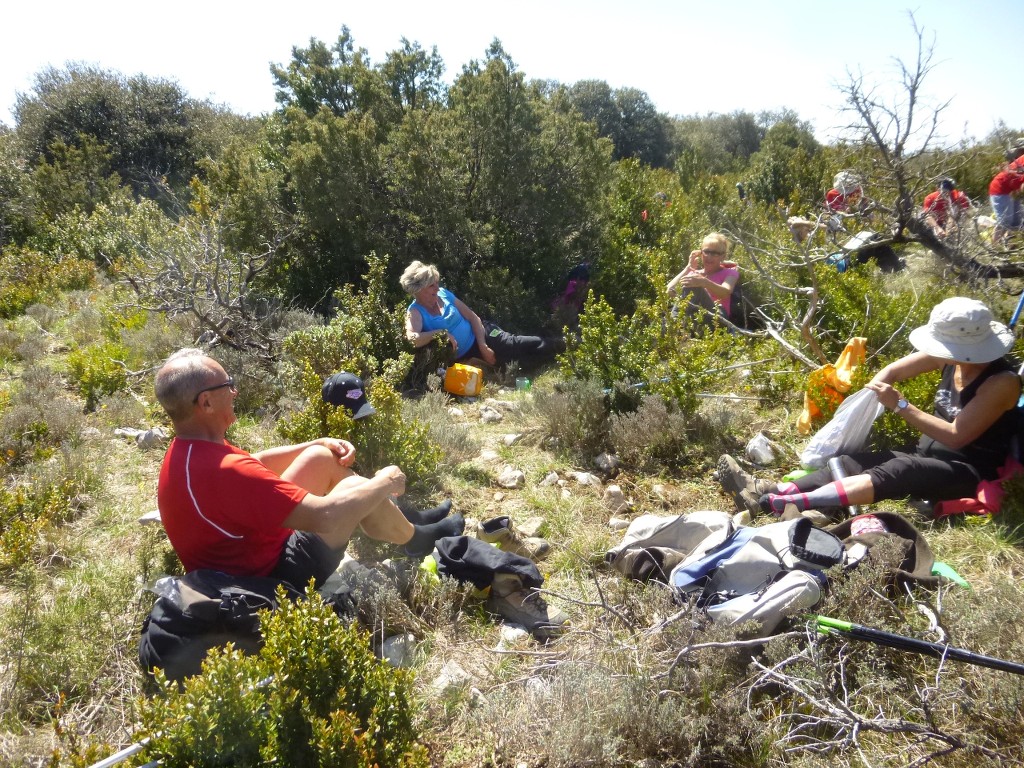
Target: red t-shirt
(1009, 180)
(937, 205)
(836, 200)
(222, 509)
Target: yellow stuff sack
(463, 380)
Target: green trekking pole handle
(827, 625)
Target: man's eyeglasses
(230, 384)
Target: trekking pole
(123, 755)
(1016, 312)
(1011, 324)
(829, 626)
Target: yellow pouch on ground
(463, 380)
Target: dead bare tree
(834, 715)
(902, 128)
(893, 135)
(194, 272)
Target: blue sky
(690, 57)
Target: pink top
(718, 278)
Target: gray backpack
(736, 574)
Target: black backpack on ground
(202, 610)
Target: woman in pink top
(708, 279)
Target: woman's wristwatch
(901, 405)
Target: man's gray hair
(418, 276)
(182, 375)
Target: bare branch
(196, 273)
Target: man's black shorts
(305, 556)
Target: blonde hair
(717, 239)
(418, 276)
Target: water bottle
(835, 466)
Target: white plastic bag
(847, 432)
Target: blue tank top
(450, 320)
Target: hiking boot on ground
(820, 518)
(527, 608)
(744, 488)
(499, 530)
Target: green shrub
(112, 235)
(28, 276)
(40, 418)
(85, 325)
(11, 337)
(574, 415)
(649, 350)
(23, 340)
(387, 438)
(326, 349)
(652, 437)
(498, 295)
(47, 496)
(315, 695)
(46, 316)
(649, 235)
(381, 320)
(365, 328)
(98, 370)
(891, 430)
(380, 440)
(864, 301)
(122, 410)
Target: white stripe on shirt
(188, 484)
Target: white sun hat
(962, 330)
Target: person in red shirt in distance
(1004, 193)
(943, 208)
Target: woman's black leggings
(509, 346)
(898, 475)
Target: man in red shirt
(1004, 193)
(285, 512)
(845, 199)
(846, 194)
(943, 207)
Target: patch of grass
(454, 439)
(616, 689)
(314, 694)
(574, 416)
(67, 644)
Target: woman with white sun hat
(964, 440)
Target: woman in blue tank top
(435, 311)
(964, 440)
